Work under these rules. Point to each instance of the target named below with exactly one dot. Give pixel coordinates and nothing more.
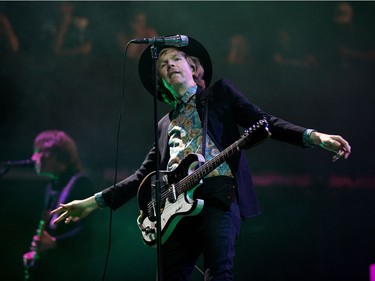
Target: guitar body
(177, 187)
(174, 205)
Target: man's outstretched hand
(74, 211)
(334, 143)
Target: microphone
(18, 163)
(174, 40)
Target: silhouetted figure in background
(352, 45)
(289, 52)
(9, 42)
(239, 51)
(72, 35)
(139, 29)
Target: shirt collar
(189, 94)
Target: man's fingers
(62, 217)
(58, 210)
(343, 144)
(341, 153)
(67, 220)
(338, 155)
(70, 218)
(347, 155)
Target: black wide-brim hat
(194, 48)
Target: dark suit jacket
(227, 110)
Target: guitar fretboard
(193, 179)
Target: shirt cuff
(307, 137)
(99, 200)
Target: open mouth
(172, 73)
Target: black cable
(116, 163)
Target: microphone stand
(154, 55)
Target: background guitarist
(184, 82)
(55, 156)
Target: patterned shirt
(185, 135)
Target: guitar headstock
(255, 134)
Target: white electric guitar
(177, 187)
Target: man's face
(45, 162)
(174, 70)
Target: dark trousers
(212, 233)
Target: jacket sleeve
(247, 113)
(117, 195)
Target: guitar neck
(193, 179)
(259, 133)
